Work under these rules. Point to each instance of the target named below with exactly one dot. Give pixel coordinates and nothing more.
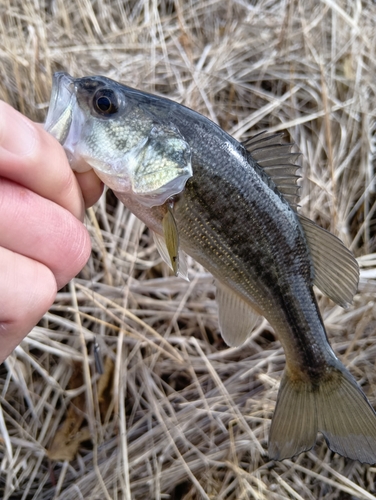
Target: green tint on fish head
(120, 133)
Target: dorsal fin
(278, 160)
(336, 270)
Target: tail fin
(336, 407)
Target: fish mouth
(65, 119)
(63, 99)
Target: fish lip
(62, 96)
(65, 119)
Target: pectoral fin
(171, 236)
(168, 246)
(236, 317)
(336, 270)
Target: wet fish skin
(231, 217)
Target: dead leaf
(71, 434)
(105, 387)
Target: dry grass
(189, 418)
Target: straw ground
(177, 414)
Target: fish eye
(105, 102)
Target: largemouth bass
(232, 207)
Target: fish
(233, 207)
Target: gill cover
(159, 166)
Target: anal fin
(236, 317)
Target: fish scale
(246, 261)
(233, 208)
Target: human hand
(43, 242)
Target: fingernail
(17, 133)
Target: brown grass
(187, 417)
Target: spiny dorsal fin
(236, 317)
(278, 160)
(336, 270)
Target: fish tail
(335, 406)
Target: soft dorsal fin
(236, 317)
(278, 160)
(336, 270)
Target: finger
(27, 291)
(91, 187)
(43, 231)
(33, 158)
